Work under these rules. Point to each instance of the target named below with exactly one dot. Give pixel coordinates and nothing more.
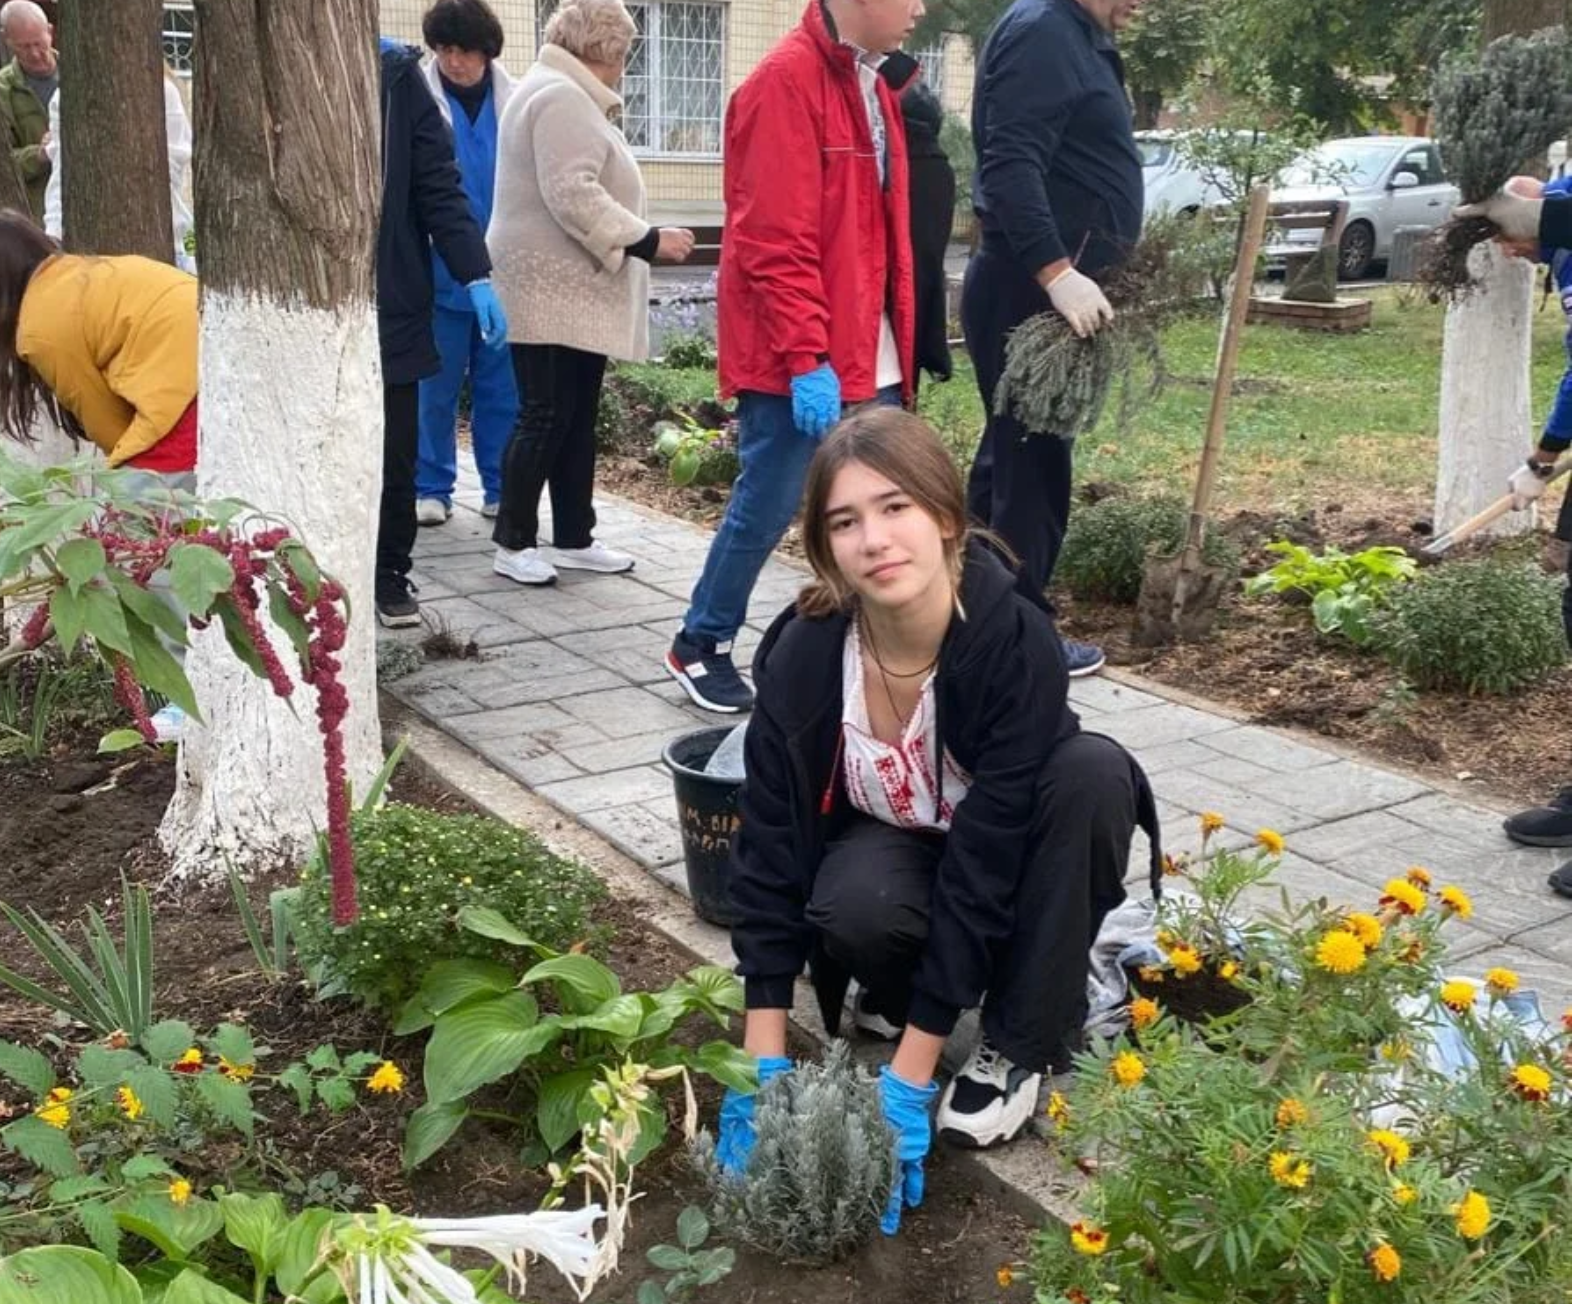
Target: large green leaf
(480, 1042)
(175, 1229)
(156, 1089)
(191, 1287)
(493, 924)
(151, 608)
(68, 612)
(105, 619)
(45, 1147)
(167, 1041)
(65, 1274)
(622, 1017)
(728, 1064)
(237, 636)
(449, 983)
(300, 1247)
(256, 1225)
(228, 1099)
(293, 626)
(80, 560)
(583, 982)
(156, 668)
(100, 1067)
(198, 574)
(429, 1129)
(98, 1221)
(28, 1068)
(234, 1043)
(557, 1110)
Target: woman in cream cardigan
(570, 252)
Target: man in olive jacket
(27, 84)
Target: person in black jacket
(1058, 195)
(423, 204)
(931, 194)
(921, 811)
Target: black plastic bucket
(707, 814)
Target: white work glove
(1527, 483)
(1517, 216)
(1080, 301)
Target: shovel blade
(1157, 621)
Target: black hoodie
(1001, 697)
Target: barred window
(179, 28)
(931, 58)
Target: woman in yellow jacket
(111, 341)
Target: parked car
(1388, 181)
(1172, 184)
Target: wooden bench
(1308, 312)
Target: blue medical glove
(816, 400)
(735, 1143)
(906, 1111)
(488, 313)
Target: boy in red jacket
(815, 306)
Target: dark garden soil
(70, 825)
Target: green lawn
(1317, 419)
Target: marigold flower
(190, 1062)
(1385, 1262)
(1289, 1170)
(1367, 928)
(1403, 1193)
(1455, 902)
(1075, 1295)
(1185, 959)
(1144, 1012)
(1127, 1068)
(1340, 952)
(55, 1111)
(1500, 982)
(236, 1072)
(130, 1105)
(388, 1080)
(1473, 1216)
(1058, 1109)
(1291, 1112)
(1086, 1239)
(1402, 896)
(1228, 971)
(1211, 822)
(1174, 866)
(1393, 1148)
(1396, 1051)
(1166, 939)
(1270, 840)
(1528, 1080)
(1419, 876)
(1004, 1276)
(1150, 973)
(179, 1191)
(1458, 995)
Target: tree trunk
(1503, 16)
(1148, 107)
(1485, 389)
(288, 189)
(112, 129)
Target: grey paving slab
(466, 619)
(646, 831)
(609, 788)
(1167, 722)
(1340, 789)
(1240, 807)
(1437, 813)
(1272, 750)
(1109, 695)
(601, 757)
(1182, 755)
(626, 712)
(1342, 837)
(1549, 976)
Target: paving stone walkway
(570, 698)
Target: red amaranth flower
(129, 694)
(328, 632)
(36, 630)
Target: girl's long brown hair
(23, 249)
(904, 449)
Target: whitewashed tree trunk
(1485, 391)
(287, 192)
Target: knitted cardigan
(569, 201)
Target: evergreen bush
(1106, 547)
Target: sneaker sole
(398, 622)
(1559, 888)
(563, 564)
(1082, 671)
(1005, 1131)
(699, 700)
(1533, 840)
(534, 584)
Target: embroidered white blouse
(895, 782)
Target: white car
(1388, 181)
(1172, 183)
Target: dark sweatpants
(871, 900)
(400, 443)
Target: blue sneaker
(1082, 659)
(708, 674)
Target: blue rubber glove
(816, 400)
(906, 1111)
(735, 1143)
(488, 313)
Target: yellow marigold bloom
(1473, 1216)
(1004, 1277)
(130, 1105)
(1367, 928)
(1402, 896)
(1419, 876)
(1500, 982)
(1289, 1170)
(1150, 973)
(388, 1080)
(1269, 840)
(190, 1061)
(1528, 1080)
(1127, 1068)
(1166, 939)
(1393, 1148)
(1385, 1262)
(1396, 1051)
(1455, 902)
(1228, 971)
(1292, 1112)
(1086, 1239)
(1403, 1193)
(1458, 995)
(179, 1191)
(235, 1072)
(1340, 952)
(1211, 822)
(1058, 1109)
(1185, 959)
(55, 1111)
(1174, 866)
(1144, 1012)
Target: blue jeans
(774, 455)
(493, 408)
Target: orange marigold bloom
(1458, 995)
(1211, 822)
(1340, 952)
(1500, 982)
(1292, 1112)
(1228, 971)
(1289, 1170)
(1270, 841)
(1367, 928)
(1150, 973)
(1531, 1082)
(1402, 896)
(1393, 1148)
(1455, 902)
(1087, 1239)
(1472, 1213)
(1127, 1068)
(1419, 876)
(1004, 1276)
(1185, 959)
(1075, 1295)
(1385, 1262)
(236, 1072)
(1144, 1012)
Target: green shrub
(1107, 544)
(1346, 590)
(416, 870)
(1483, 626)
(637, 395)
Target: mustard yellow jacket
(115, 339)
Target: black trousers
(1564, 533)
(871, 898)
(553, 444)
(1020, 481)
(400, 445)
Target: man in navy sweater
(1058, 196)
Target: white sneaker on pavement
(490, 508)
(526, 566)
(596, 557)
(431, 511)
(988, 1102)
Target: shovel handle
(1475, 523)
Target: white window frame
(169, 36)
(934, 66)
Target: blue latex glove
(816, 400)
(735, 1143)
(488, 313)
(906, 1111)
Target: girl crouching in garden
(921, 811)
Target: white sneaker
(169, 723)
(988, 1102)
(490, 508)
(526, 566)
(597, 557)
(431, 511)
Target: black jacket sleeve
(1555, 222)
(440, 202)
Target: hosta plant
(1345, 589)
